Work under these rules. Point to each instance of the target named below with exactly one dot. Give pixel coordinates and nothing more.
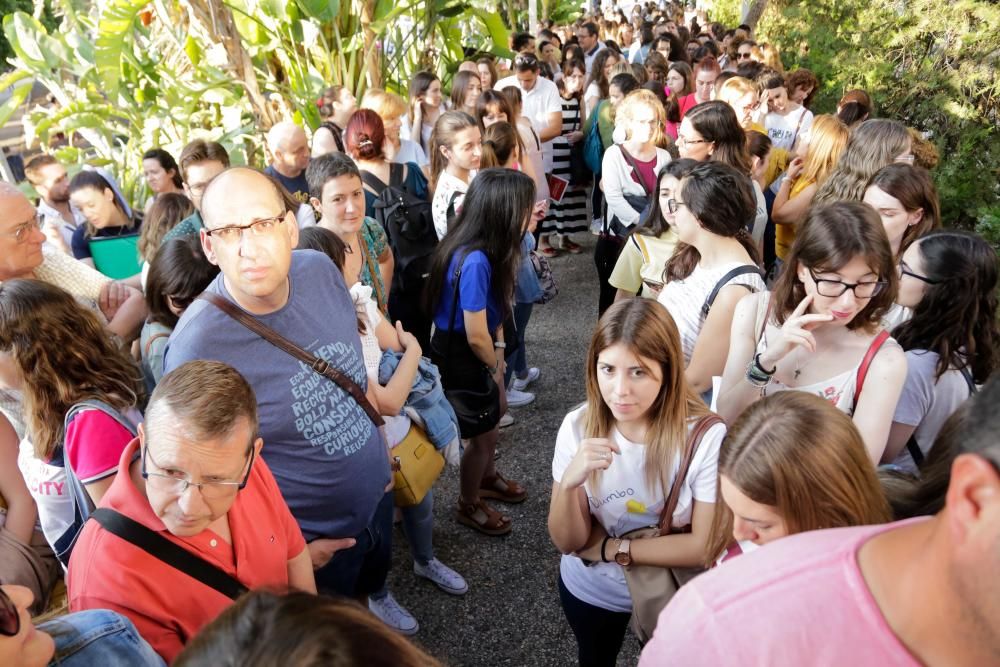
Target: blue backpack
(593, 147)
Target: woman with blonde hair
(615, 463)
(58, 354)
(391, 108)
(817, 155)
(791, 463)
(629, 171)
(820, 330)
(872, 145)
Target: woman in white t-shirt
(952, 342)
(820, 330)
(616, 459)
(456, 147)
(714, 265)
(791, 463)
(786, 120)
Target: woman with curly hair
(59, 355)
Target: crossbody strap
(168, 552)
(912, 446)
(635, 169)
(372, 269)
(690, 449)
(873, 349)
(319, 365)
(738, 271)
(457, 277)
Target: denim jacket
(99, 637)
(426, 398)
(527, 289)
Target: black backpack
(408, 224)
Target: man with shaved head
(289, 150)
(326, 453)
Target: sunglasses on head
(525, 59)
(10, 619)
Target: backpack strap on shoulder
(873, 349)
(397, 174)
(738, 271)
(373, 183)
(641, 244)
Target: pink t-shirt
(799, 601)
(94, 445)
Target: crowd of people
(232, 389)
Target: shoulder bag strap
(799, 125)
(873, 349)
(640, 243)
(969, 380)
(373, 270)
(690, 449)
(635, 169)
(738, 271)
(168, 552)
(374, 183)
(454, 309)
(914, 449)
(152, 339)
(319, 365)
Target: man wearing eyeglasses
(193, 476)
(589, 38)
(327, 456)
(918, 592)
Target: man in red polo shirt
(194, 476)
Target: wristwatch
(624, 555)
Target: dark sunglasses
(10, 619)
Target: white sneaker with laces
(393, 614)
(442, 576)
(506, 420)
(517, 399)
(520, 384)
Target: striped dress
(569, 215)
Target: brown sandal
(483, 518)
(504, 490)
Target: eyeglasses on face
(10, 618)
(905, 270)
(22, 232)
(233, 233)
(834, 288)
(673, 205)
(176, 483)
(684, 141)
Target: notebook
(116, 257)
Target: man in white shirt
(587, 35)
(540, 102)
(58, 217)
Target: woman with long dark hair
(905, 198)
(162, 175)
(469, 292)
(106, 212)
(952, 341)
(820, 329)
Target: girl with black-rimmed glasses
(820, 329)
(949, 280)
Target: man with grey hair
(193, 479)
(289, 149)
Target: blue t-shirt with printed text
(326, 455)
(475, 292)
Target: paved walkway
(511, 614)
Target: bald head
(10, 193)
(289, 149)
(234, 185)
(282, 134)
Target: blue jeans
(362, 569)
(518, 363)
(99, 637)
(418, 524)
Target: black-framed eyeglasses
(834, 288)
(673, 205)
(905, 270)
(233, 233)
(23, 230)
(681, 140)
(10, 618)
(178, 485)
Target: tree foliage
(929, 63)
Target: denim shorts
(362, 569)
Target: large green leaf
(25, 34)
(114, 33)
(499, 34)
(320, 10)
(16, 99)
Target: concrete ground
(511, 614)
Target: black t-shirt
(298, 186)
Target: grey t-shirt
(326, 455)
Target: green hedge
(932, 64)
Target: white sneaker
(443, 576)
(520, 384)
(506, 420)
(393, 614)
(517, 399)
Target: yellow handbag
(420, 464)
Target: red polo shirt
(167, 606)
